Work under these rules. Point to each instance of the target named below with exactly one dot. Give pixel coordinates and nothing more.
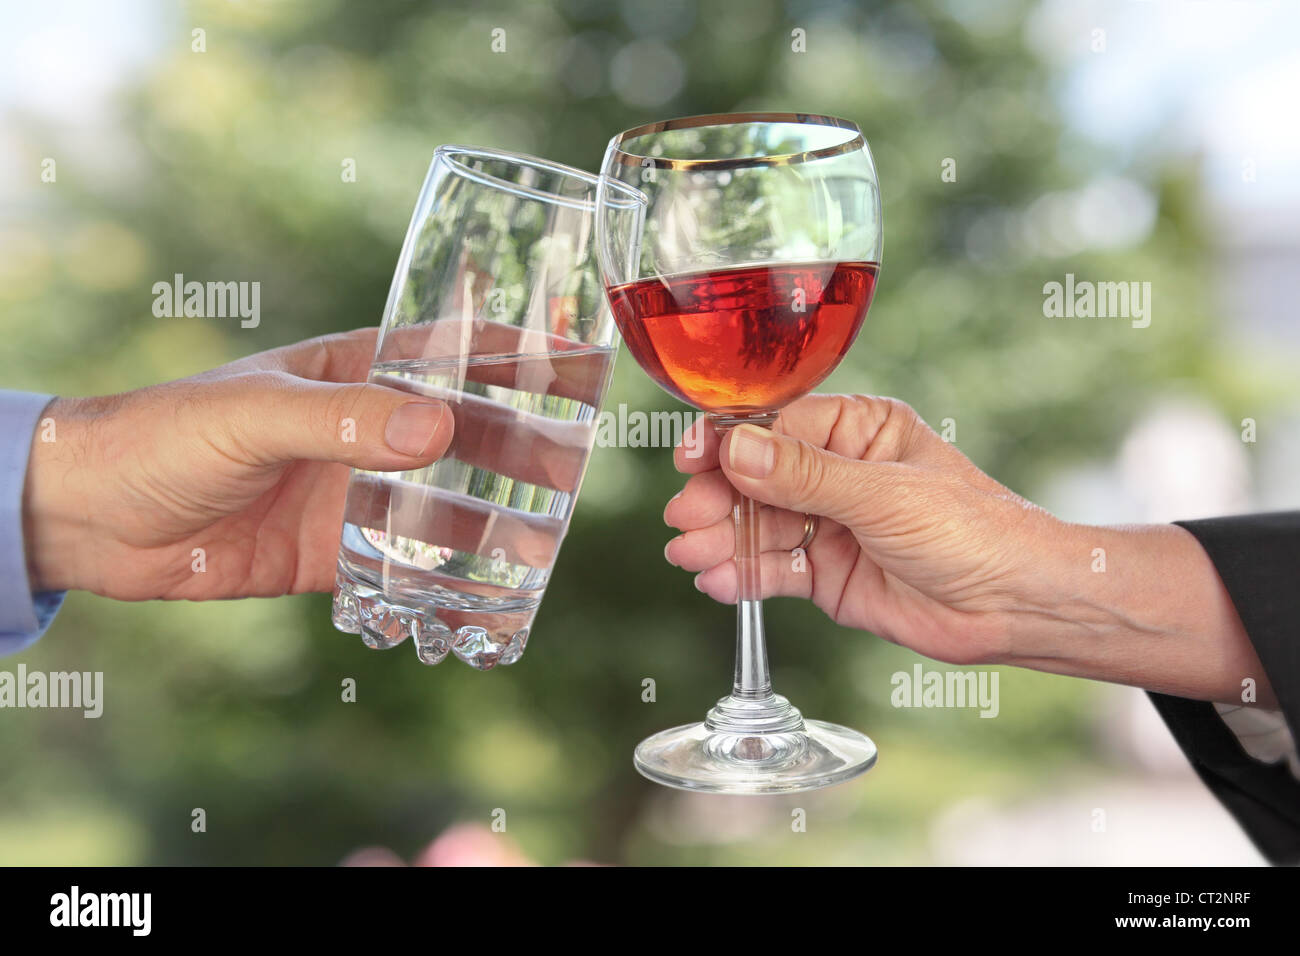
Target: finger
(698, 450)
(704, 499)
(510, 441)
(393, 507)
(872, 428)
(275, 417)
(340, 357)
(781, 577)
(489, 434)
(779, 530)
(852, 426)
(799, 476)
(812, 418)
(539, 362)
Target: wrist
(1140, 605)
(54, 499)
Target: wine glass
(747, 281)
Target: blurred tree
(290, 153)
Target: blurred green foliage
(227, 165)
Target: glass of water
(497, 309)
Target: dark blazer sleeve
(1258, 559)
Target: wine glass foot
(696, 757)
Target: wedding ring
(810, 523)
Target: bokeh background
(1117, 141)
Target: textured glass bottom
(483, 640)
(697, 757)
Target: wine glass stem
(753, 682)
(752, 708)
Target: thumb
(790, 473)
(284, 418)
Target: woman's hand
(919, 546)
(227, 484)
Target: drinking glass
(759, 251)
(497, 309)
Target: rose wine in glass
(744, 282)
(731, 340)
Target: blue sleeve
(24, 616)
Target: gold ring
(810, 523)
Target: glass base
(700, 758)
(482, 639)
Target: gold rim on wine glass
(630, 158)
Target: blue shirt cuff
(24, 616)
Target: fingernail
(666, 547)
(698, 586)
(668, 507)
(411, 427)
(752, 452)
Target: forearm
(1140, 605)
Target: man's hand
(248, 462)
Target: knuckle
(896, 406)
(867, 426)
(345, 402)
(899, 429)
(810, 474)
(864, 415)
